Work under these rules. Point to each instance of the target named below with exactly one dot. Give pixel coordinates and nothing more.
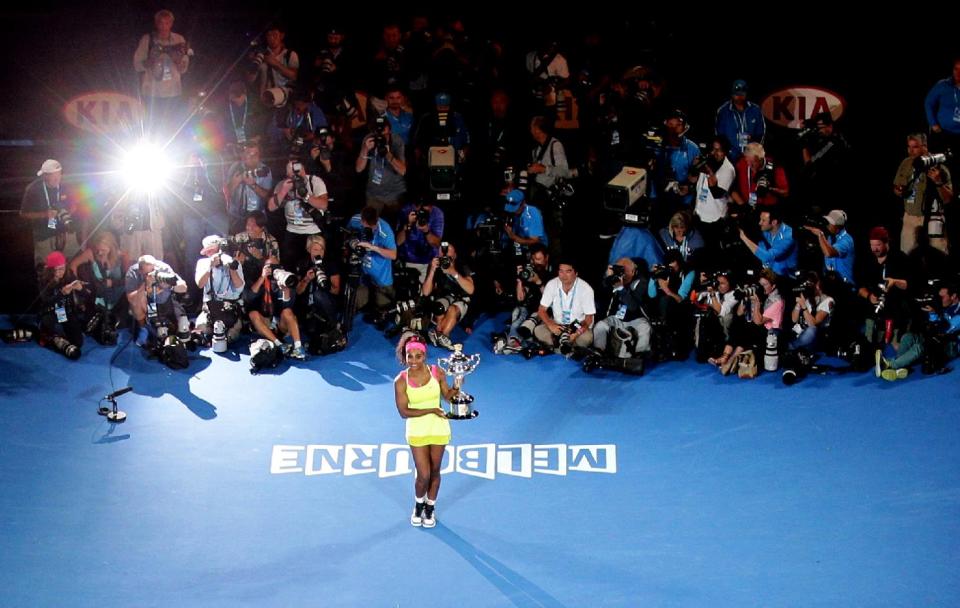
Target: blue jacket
(941, 104)
(740, 128)
(636, 243)
(778, 252)
(843, 263)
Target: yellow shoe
(893, 375)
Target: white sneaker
(416, 518)
(428, 518)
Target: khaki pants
(910, 235)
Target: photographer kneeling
(571, 302)
(220, 277)
(60, 327)
(934, 340)
(449, 285)
(669, 287)
(269, 304)
(625, 332)
(531, 280)
(150, 286)
(811, 314)
(320, 283)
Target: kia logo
(103, 112)
(791, 106)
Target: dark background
(881, 64)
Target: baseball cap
(739, 87)
(56, 259)
(49, 166)
(836, 218)
(514, 200)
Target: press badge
(61, 314)
(377, 176)
(151, 309)
(742, 140)
(566, 317)
(956, 114)
(622, 311)
(198, 196)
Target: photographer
(441, 127)
(269, 303)
(329, 162)
(716, 178)
(884, 285)
(150, 285)
(836, 245)
(942, 106)
(531, 280)
(419, 234)
(626, 310)
(740, 121)
(449, 285)
(760, 181)
(826, 178)
(46, 205)
(754, 319)
(572, 308)
(548, 167)
(300, 123)
(669, 287)
(304, 201)
(674, 181)
(243, 121)
(938, 343)
(379, 249)
(277, 65)
(317, 293)
(680, 235)
(220, 277)
(777, 250)
(102, 267)
(255, 241)
(248, 186)
(925, 188)
(60, 327)
(524, 227)
(382, 152)
(717, 306)
(811, 313)
(401, 121)
(162, 57)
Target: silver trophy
(459, 365)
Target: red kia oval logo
(791, 106)
(103, 112)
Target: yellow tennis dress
(428, 429)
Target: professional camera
(526, 272)
(346, 107)
(323, 281)
(881, 298)
(445, 260)
(565, 340)
(929, 161)
(284, 278)
(380, 135)
(561, 193)
(65, 221)
(423, 216)
(614, 279)
(404, 306)
(765, 179)
(807, 289)
(700, 163)
(746, 291)
(165, 278)
(102, 325)
(256, 173)
(930, 296)
(659, 271)
(796, 365)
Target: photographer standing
(382, 152)
(740, 121)
(572, 308)
(760, 181)
(277, 65)
(925, 189)
(46, 205)
(300, 123)
(221, 278)
(450, 286)
(377, 248)
(836, 244)
(150, 286)
(524, 227)
(626, 310)
(304, 201)
(714, 183)
(162, 57)
(248, 186)
(826, 179)
(329, 162)
(60, 327)
(777, 250)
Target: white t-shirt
(711, 209)
(569, 306)
(557, 69)
(298, 219)
(219, 283)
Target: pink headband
(413, 345)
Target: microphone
(116, 394)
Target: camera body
(445, 260)
(659, 271)
(928, 161)
(321, 278)
(565, 341)
(256, 173)
(168, 279)
(614, 279)
(765, 179)
(423, 216)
